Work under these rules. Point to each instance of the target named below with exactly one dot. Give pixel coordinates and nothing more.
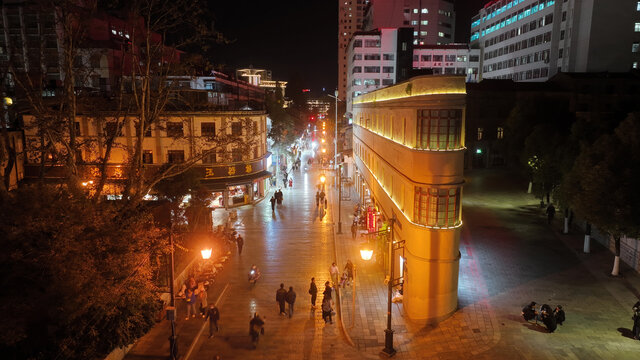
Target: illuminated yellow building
(408, 141)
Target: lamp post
(335, 140)
(339, 170)
(171, 313)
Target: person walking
(349, 269)
(354, 230)
(291, 300)
(240, 243)
(202, 299)
(551, 212)
(334, 272)
(273, 203)
(256, 327)
(281, 296)
(213, 315)
(190, 299)
(317, 198)
(313, 291)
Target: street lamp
(206, 254)
(335, 140)
(366, 254)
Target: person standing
(190, 299)
(317, 198)
(327, 290)
(354, 230)
(213, 315)
(273, 204)
(281, 296)
(291, 182)
(558, 313)
(334, 272)
(636, 321)
(291, 299)
(349, 269)
(240, 243)
(551, 212)
(202, 299)
(313, 291)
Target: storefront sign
(238, 169)
(371, 219)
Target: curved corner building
(409, 150)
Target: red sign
(371, 220)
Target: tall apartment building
(450, 59)
(532, 40)
(408, 145)
(433, 21)
(350, 17)
(376, 59)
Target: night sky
(294, 37)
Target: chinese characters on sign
(371, 219)
(212, 172)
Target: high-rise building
(532, 40)
(433, 21)
(350, 17)
(408, 146)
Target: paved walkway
(510, 256)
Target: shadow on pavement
(239, 341)
(534, 327)
(626, 332)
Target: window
(426, 57)
(371, 69)
(356, 69)
(634, 65)
(437, 207)
(425, 11)
(175, 156)
(372, 56)
(474, 58)
(147, 157)
(439, 129)
(208, 129)
(236, 128)
(637, 27)
(423, 33)
(415, 11)
(147, 133)
(500, 134)
(387, 57)
(209, 157)
(372, 43)
(371, 82)
(440, 33)
(635, 47)
(560, 53)
(424, 22)
(387, 82)
(387, 69)
(174, 129)
(414, 22)
(112, 129)
(564, 16)
(357, 56)
(357, 43)
(449, 71)
(437, 57)
(357, 82)
(449, 58)
(236, 155)
(461, 58)
(638, 6)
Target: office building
(408, 145)
(350, 16)
(433, 21)
(449, 59)
(532, 40)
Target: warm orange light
(322, 140)
(324, 132)
(323, 179)
(206, 253)
(324, 150)
(366, 254)
(85, 183)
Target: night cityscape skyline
(416, 179)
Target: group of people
(347, 274)
(283, 296)
(551, 318)
(321, 198)
(276, 198)
(194, 294)
(327, 301)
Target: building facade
(450, 59)
(433, 21)
(408, 145)
(532, 40)
(350, 17)
(376, 59)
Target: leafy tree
(76, 276)
(603, 184)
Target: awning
(224, 183)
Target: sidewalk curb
(204, 325)
(335, 251)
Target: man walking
(281, 296)
(273, 204)
(213, 315)
(313, 291)
(334, 272)
(291, 299)
(317, 198)
(240, 242)
(354, 230)
(551, 212)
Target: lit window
(500, 134)
(424, 22)
(415, 33)
(635, 47)
(425, 11)
(423, 33)
(440, 129)
(638, 6)
(415, 11)
(440, 33)
(414, 22)
(634, 65)
(480, 133)
(637, 27)
(114, 32)
(437, 207)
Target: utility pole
(388, 332)
(339, 170)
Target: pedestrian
(281, 296)
(349, 269)
(313, 291)
(327, 290)
(322, 195)
(284, 182)
(317, 198)
(240, 243)
(190, 299)
(291, 300)
(290, 182)
(558, 313)
(202, 299)
(273, 204)
(529, 311)
(551, 212)
(213, 315)
(334, 272)
(636, 321)
(256, 327)
(325, 203)
(327, 310)
(354, 229)
(191, 283)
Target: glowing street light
(323, 179)
(324, 150)
(366, 254)
(206, 253)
